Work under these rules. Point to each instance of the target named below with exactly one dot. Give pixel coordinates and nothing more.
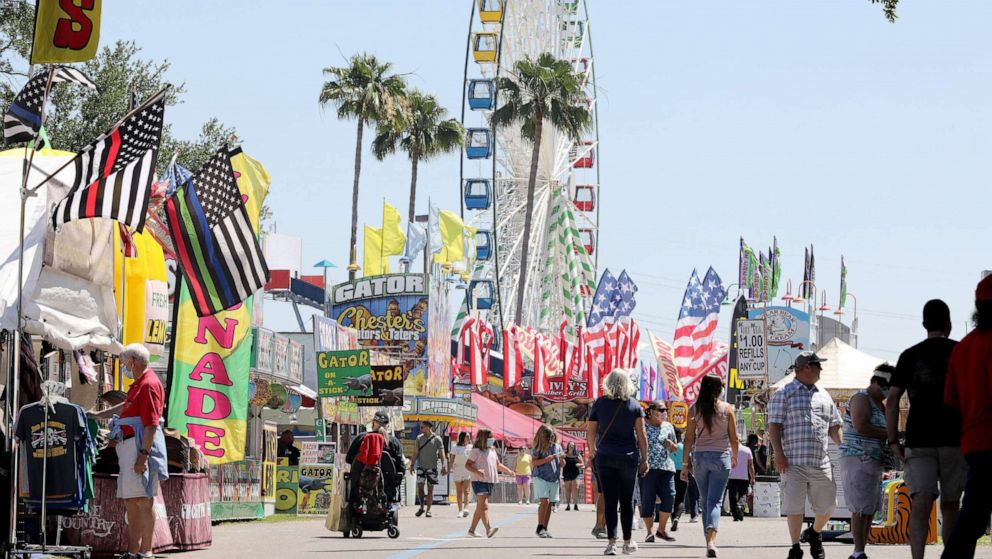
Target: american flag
(114, 173)
(216, 245)
(23, 119)
(697, 321)
(614, 298)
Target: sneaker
(472, 534)
(649, 538)
(599, 533)
(464, 513)
(815, 541)
(611, 549)
(427, 514)
(575, 507)
(862, 556)
(544, 534)
(629, 548)
(711, 552)
(520, 502)
(420, 512)
(693, 520)
(664, 536)
(568, 507)
(796, 552)
(675, 525)
(492, 532)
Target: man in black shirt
(287, 449)
(932, 450)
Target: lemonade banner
(66, 31)
(208, 380)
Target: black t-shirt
(65, 428)
(921, 371)
(619, 440)
(291, 452)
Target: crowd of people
(637, 456)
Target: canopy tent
(514, 428)
(845, 371)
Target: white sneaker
(520, 502)
(472, 534)
(611, 549)
(630, 547)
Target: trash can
(767, 499)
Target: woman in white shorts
(459, 474)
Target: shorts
(460, 475)
(800, 482)
(862, 484)
(482, 488)
(428, 476)
(926, 466)
(129, 484)
(545, 490)
(657, 484)
(523, 480)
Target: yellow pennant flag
(393, 238)
(374, 264)
(66, 31)
(452, 237)
(256, 180)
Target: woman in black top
(615, 435)
(570, 473)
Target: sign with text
(66, 31)
(344, 373)
(387, 387)
(678, 414)
(752, 350)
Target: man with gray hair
(139, 441)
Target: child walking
(484, 465)
(547, 460)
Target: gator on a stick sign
(342, 374)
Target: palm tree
(546, 89)
(365, 90)
(422, 132)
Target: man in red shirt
(969, 390)
(145, 400)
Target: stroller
(373, 505)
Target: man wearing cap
(934, 464)
(863, 454)
(802, 419)
(969, 390)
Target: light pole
(726, 296)
(854, 321)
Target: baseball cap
(807, 358)
(381, 418)
(984, 290)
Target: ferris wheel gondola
(496, 162)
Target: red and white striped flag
(513, 362)
(593, 375)
(481, 342)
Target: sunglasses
(659, 409)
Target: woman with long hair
(711, 435)
(570, 473)
(547, 455)
(615, 436)
(484, 465)
(459, 474)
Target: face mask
(125, 371)
(490, 442)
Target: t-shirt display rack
(53, 391)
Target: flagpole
(14, 381)
(130, 113)
(382, 235)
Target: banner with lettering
(66, 31)
(665, 356)
(211, 357)
(717, 366)
(390, 314)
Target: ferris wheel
(496, 163)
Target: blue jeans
(657, 484)
(712, 470)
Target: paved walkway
(443, 536)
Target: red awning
(513, 427)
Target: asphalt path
(444, 536)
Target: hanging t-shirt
(66, 426)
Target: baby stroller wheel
(356, 532)
(393, 532)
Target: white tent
(69, 275)
(846, 369)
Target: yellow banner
(66, 31)
(146, 295)
(393, 238)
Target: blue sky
(815, 121)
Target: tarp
(514, 428)
(846, 368)
(68, 276)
